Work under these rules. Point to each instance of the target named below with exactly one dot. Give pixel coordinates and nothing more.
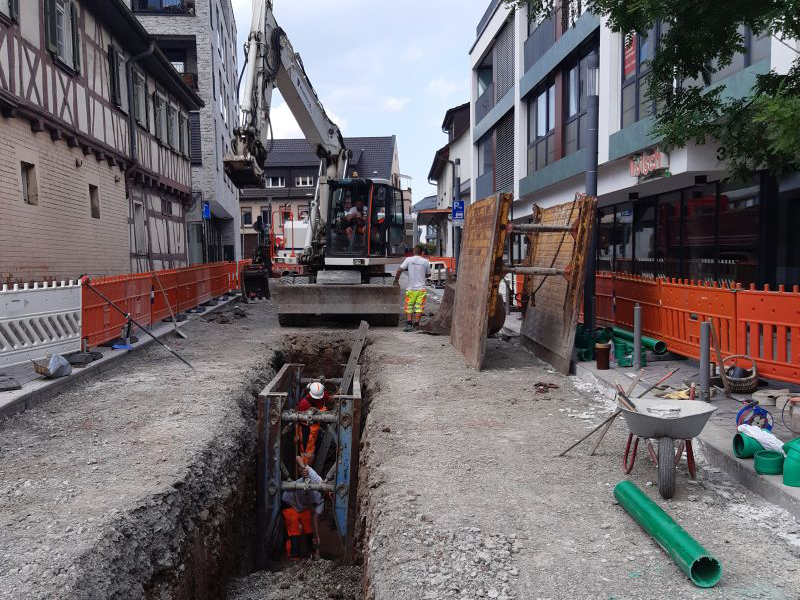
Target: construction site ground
(138, 483)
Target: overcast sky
(381, 68)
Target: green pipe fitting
(703, 569)
(604, 334)
(768, 462)
(744, 446)
(791, 465)
(657, 346)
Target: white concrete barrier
(39, 319)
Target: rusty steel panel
(479, 275)
(549, 326)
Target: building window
(180, 6)
(275, 182)
(541, 129)
(30, 188)
(247, 217)
(94, 201)
(575, 119)
(140, 111)
(219, 32)
(172, 119)
(116, 76)
(159, 116)
(62, 31)
(166, 207)
(305, 181)
(10, 8)
(636, 56)
(266, 216)
(178, 59)
(183, 133)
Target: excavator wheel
(287, 320)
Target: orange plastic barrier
(604, 299)
(685, 305)
(187, 279)
(219, 279)
(131, 293)
(449, 261)
(769, 331)
(630, 290)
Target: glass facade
(708, 232)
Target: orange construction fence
(152, 297)
(762, 324)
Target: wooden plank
(479, 276)
(549, 326)
(352, 361)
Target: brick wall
(58, 238)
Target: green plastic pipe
(703, 569)
(657, 346)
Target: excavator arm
(272, 62)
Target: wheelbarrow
(665, 421)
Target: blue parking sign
(206, 211)
(458, 212)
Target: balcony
(191, 80)
(539, 41)
(164, 7)
(484, 103)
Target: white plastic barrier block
(39, 319)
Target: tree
(759, 131)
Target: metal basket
(742, 385)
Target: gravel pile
(450, 563)
(317, 579)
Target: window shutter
(113, 75)
(14, 6)
(143, 83)
(196, 146)
(138, 109)
(505, 154)
(50, 25)
(157, 115)
(76, 36)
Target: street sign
(206, 211)
(458, 212)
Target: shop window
(668, 235)
(605, 239)
(700, 233)
(623, 238)
(541, 129)
(738, 233)
(644, 233)
(30, 187)
(94, 201)
(788, 242)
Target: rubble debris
(542, 387)
(305, 579)
(8, 384)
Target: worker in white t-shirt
(418, 268)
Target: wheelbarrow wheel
(666, 467)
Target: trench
(218, 557)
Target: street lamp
(593, 119)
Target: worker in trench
(301, 510)
(306, 434)
(418, 268)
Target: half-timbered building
(95, 172)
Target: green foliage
(701, 37)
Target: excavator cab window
(349, 219)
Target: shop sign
(649, 164)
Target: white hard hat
(317, 390)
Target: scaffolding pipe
(303, 486)
(533, 270)
(305, 417)
(539, 228)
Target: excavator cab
(367, 220)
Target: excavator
(356, 225)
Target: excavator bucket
(377, 304)
(244, 171)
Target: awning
(433, 216)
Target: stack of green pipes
(623, 347)
(623, 352)
(584, 341)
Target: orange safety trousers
(307, 451)
(297, 524)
